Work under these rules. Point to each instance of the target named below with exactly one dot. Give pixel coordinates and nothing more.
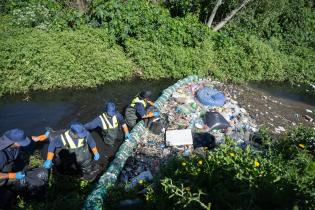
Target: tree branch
(230, 16)
(214, 11)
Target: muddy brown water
(271, 104)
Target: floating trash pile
(197, 115)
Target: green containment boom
(96, 198)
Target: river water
(57, 109)
(271, 104)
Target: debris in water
(308, 118)
(186, 116)
(279, 129)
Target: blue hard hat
(14, 136)
(145, 94)
(110, 109)
(78, 129)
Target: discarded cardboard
(179, 137)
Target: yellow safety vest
(106, 124)
(68, 140)
(138, 100)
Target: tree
(214, 11)
(227, 18)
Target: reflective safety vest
(138, 100)
(68, 141)
(106, 124)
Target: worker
(138, 109)
(10, 147)
(110, 121)
(10, 144)
(75, 141)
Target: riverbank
(33, 58)
(58, 109)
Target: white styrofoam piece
(179, 137)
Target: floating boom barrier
(95, 200)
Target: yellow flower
(302, 146)
(257, 164)
(141, 181)
(183, 164)
(200, 162)
(187, 189)
(232, 154)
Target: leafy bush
(232, 178)
(126, 18)
(263, 42)
(299, 138)
(143, 20)
(45, 15)
(32, 59)
(64, 192)
(162, 61)
(248, 58)
(32, 16)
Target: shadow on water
(57, 109)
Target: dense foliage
(271, 40)
(268, 40)
(278, 175)
(162, 61)
(32, 59)
(47, 44)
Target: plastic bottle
(193, 105)
(185, 109)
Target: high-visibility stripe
(64, 141)
(138, 100)
(66, 138)
(106, 124)
(115, 121)
(103, 122)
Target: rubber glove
(47, 164)
(156, 114)
(47, 133)
(97, 156)
(19, 175)
(127, 136)
(41, 137)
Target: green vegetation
(163, 61)
(63, 192)
(49, 44)
(278, 175)
(33, 59)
